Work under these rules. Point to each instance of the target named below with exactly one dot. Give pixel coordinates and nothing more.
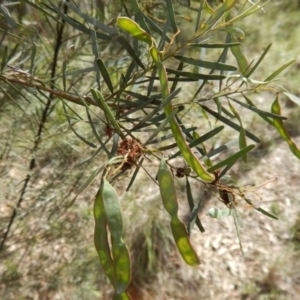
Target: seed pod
(122, 267)
(169, 198)
(101, 238)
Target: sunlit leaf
(259, 111)
(282, 131)
(231, 159)
(105, 74)
(206, 64)
(130, 51)
(242, 137)
(196, 76)
(214, 46)
(231, 124)
(279, 70)
(194, 207)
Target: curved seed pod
(184, 246)
(122, 267)
(101, 239)
(169, 198)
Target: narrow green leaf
(220, 149)
(139, 15)
(259, 60)
(215, 46)
(157, 29)
(231, 124)
(194, 207)
(151, 82)
(100, 100)
(91, 20)
(219, 12)
(157, 109)
(96, 133)
(4, 58)
(237, 225)
(89, 159)
(175, 82)
(196, 76)
(261, 210)
(169, 136)
(206, 64)
(130, 51)
(247, 12)
(33, 53)
(278, 71)
(226, 169)
(171, 15)
(96, 54)
(201, 139)
(266, 213)
(199, 12)
(258, 111)
(105, 74)
(160, 117)
(5, 32)
(177, 78)
(204, 151)
(231, 159)
(168, 147)
(242, 137)
(75, 24)
(161, 126)
(261, 115)
(141, 98)
(240, 58)
(75, 132)
(139, 107)
(102, 145)
(64, 67)
(282, 131)
(12, 23)
(137, 169)
(129, 73)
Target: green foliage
(131, 88)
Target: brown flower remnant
(179, 172)
(131, 149)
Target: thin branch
(41, 86)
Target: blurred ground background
(50, 253)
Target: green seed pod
(121, 259)
(101, 238)
(169, 198)
(183, 243)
